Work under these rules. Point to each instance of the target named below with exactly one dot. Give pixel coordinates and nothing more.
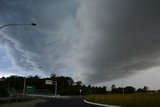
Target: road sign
(30, 89)
(48, 82)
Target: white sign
(49, 82)
(108, 89)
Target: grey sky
(90, 40)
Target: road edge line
(98, 104)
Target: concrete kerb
(98, 104)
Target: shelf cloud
(90, 40)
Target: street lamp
(80, 92)
(19, 24)
(24, 87)
(32, 24)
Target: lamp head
(33, 24)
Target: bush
(129, 89)
(3, 92)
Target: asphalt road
(66, 103)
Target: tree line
(128, 89)
(65, 86)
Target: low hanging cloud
(119, 37)
(89, 40)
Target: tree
(113, 87)
(145, 88)
(70, 81)
(79, 83)
(52, 76)
(129, 89)
(3, 92)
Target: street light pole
(80, 92)
(32, 24)
(19, 24)
(24, 87)
(123, 82)
(122, 86)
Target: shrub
(3, 92)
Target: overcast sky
(96, 41)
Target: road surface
(66, 103)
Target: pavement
(67, 103)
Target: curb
(98, 104)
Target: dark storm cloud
(121, 37)
(91, 40)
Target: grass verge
(32, 103)
(127, 100)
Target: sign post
(50, 82)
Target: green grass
(127, 100)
